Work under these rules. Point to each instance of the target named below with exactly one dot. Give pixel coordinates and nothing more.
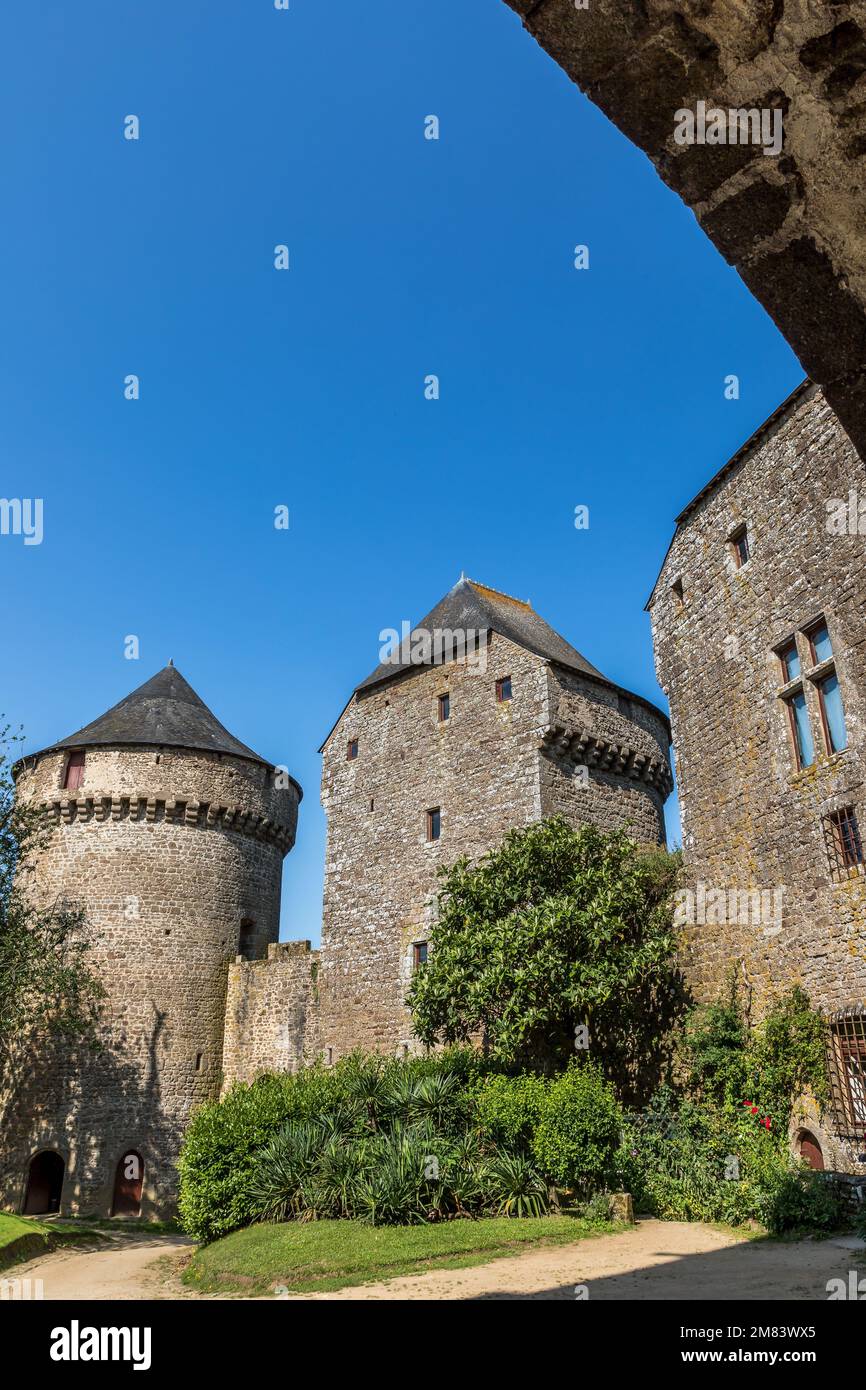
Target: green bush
(685, 1161)
(514, 1187)
(221, 1157)
(508, 1108)
(578, 1130)
(805, 1202)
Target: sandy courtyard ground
(655, 1260)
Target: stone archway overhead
(793, 225)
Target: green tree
(45, 982)
(554, 931)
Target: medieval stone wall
(750, 818)
(169, 852)
(271, 1013)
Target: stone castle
(171, 832)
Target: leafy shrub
(597, 1211)
(221, 1146)
(579, 1128)
(805, 1201)
(684, 1161)
(514, 1187)
(221, 1161)
(508, 1108)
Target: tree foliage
(45, 981)
(555, 929)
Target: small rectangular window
(801, 730)
(419, 954)
(434, 823)
(832, 713)
(844, 846)
(677, 591)
(790, 659)
(819, 643)
(503, 689)
(444, 708)
(740, 547)
(352, 750)
(74, 773)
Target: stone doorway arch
(44, 1183)
(128, 1182)
(809, 1149)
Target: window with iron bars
(848, 1074)
(844, 846)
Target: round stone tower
(170, 834)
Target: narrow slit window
(740, 547)
(434, 823)
(74, 774)
(677, 591)
(247, 939)
(352, 750)
(503, 689)
(801, 730)
(444, 708)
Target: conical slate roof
(473, 606)
(166, 712)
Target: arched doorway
(128, 1181)
(810, 1149)
(44, 1184)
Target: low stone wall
(271, 1012)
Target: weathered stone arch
(794, 226)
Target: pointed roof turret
(472, 606)
(165, 712)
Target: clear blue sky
(305, 388)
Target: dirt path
(127, 1267)
(656, 1260)
(675, 1261)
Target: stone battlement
(179, 810)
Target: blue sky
(305, 388)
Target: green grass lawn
(21, 1239)
(334, 1254)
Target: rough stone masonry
(759, 628)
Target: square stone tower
(481, 719)
(759, 628)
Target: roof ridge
(498, 593)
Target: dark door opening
(127, 1185)
(44, 1184)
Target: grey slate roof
(473, 606)
(166, 712)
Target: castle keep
(434, 758)
(759, 627)
(170, 833)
